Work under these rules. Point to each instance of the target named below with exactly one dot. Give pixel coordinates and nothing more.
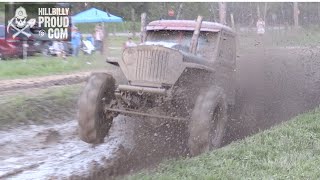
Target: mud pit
(273, 86)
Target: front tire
(94, 123)
(207, 122)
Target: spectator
(58, 49)
(129, 43)
(90, 38)
(260, 26)
(99, 36)
(87, 46)
(62, 50)
(75, 41)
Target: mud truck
(179, 73)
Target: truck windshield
(181, 40)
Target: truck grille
(151, 65)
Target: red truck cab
(8, 46)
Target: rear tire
(94, 124)
(207, 122)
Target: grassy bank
(289, 151)
(38, 105)
(124, 27)
(273, 38)
(42, 66)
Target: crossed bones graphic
(30, 24)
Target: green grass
(40, 66)
(288, 151)
(301, 37)
(124, 27)
(117, 41)
(38, 106)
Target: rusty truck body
(167, 81)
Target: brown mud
(43, 82)
(273, 85)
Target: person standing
(260, 26)
(129, 43)
(75, 41)
(99, 36)
(58, 49)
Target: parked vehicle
(15, 45)
(8, 48)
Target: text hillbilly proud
(55, 20)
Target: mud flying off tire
(93, 122)
(207, 122)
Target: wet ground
(273, 86)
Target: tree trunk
(213, 12)
(222, 12)
(258, 10)
(179, 11)
(143, 27)
(133, 25)
(265, 11)
(145, 7)
(251, 17)
(296, 15)
(318, 13)
(165, 11)
(232, 21)
(283, 18)
(105, 42)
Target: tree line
(244, 13)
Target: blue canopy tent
(94, 15)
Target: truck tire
(207, 122)
(94, 124)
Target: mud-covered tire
(93, 122)
(207, 122)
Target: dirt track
(42, 82)
(273, 85)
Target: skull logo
(20, 17)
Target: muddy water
(56, 152)
(44, 152)
(273, 85)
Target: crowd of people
(85, 42)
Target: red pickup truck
(7, 46)
(10, 47)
